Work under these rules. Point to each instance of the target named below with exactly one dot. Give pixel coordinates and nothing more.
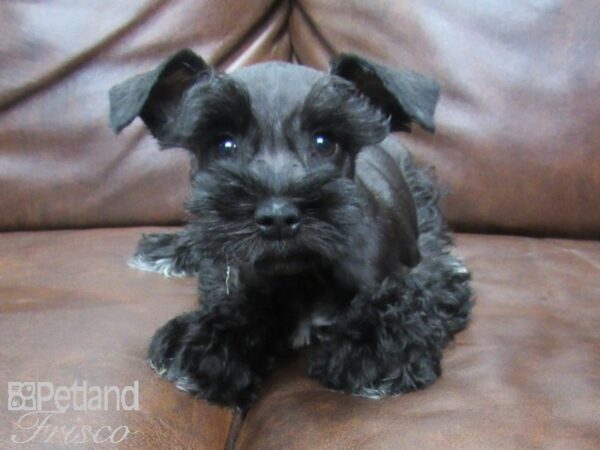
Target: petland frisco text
(42, 401)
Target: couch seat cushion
(525, 374)
(71, 310)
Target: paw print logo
(21, 396)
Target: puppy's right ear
(155, 96)
(402, 95)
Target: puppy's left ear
(403, 95)
(156, 96)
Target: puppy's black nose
(277, 219)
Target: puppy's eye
(226, 146)
(325, 146)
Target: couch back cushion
(518, 124)
(60, 164)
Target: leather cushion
(524, 374)
(518, 123)
(60, 164)
(72, 311)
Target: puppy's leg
(387, 343)
(170, 254)
(221, 353)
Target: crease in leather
(238, 46)
(234, 429)
(328, 46)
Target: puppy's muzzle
(277, 218)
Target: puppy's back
(379, 173)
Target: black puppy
(308, 225)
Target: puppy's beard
(223, 206)
(271, 264)
(315, 246)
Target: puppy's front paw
(167, 342)
(169, 254)
(373, 370)
(199, 357)
(214, 374)
(337, 367)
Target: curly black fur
(377, 343)
(391, 340)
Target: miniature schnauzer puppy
(309, 225)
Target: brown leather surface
(71, 310)
(518, 143)
(518, 124)
(60, 165)
(524, 375)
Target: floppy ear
(155, 96)
(403, 95)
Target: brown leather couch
(518, 145)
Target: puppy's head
(274, 148)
